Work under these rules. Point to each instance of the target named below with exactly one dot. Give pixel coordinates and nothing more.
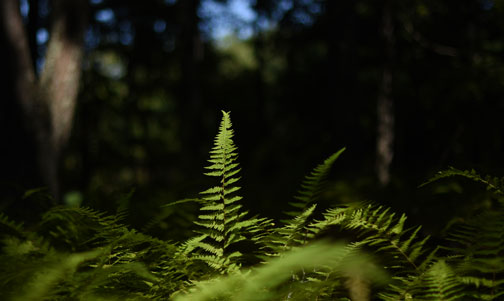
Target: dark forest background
(103, 97)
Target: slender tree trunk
(47, 103)
(385, 103)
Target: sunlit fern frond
(313, 185)
(221, 221)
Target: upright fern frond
(294, 231)
(221, 221)
(313, 185)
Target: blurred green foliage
(352, 251)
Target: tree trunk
(385, 104)
(47, 103)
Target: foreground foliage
(76, 253)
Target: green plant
(353, 251)
(222, 223)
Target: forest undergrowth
(352, 251)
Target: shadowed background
(409, 87)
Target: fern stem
(404, 255)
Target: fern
(82, 254)
(293, 233)
(10, 228)
(494, 184)
(117, 262)
(52, 272)
(221, 222)
(441, 283)
(313, 185)
(406, 255)
(80, 228)
(272, 281)
(379, 228)
(477, 246)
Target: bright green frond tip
(223, 155)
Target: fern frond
(122, 265)
(37, 279)
(324, 280)
(406, 253)
(293, 233)
(494, 184)
(477, 249)
(316, 271)
(221, 221)
(441, 283)
(80, 228)
(378, 228)
(475, 245)
(385, 232)
(313, 185)
(9, 227)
